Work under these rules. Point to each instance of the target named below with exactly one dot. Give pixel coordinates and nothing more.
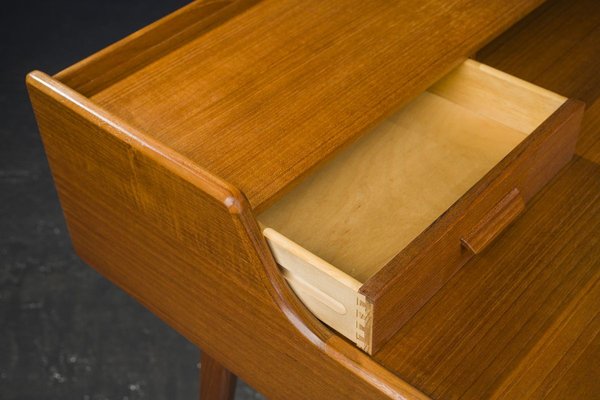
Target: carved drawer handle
(494, 222)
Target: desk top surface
(267, 95)
(522, 320)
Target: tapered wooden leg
(216, 382)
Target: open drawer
(373, 233)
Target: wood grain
(516, 307)
(521, 320)
(284, 78)
(569, 34)
(499, 96)
(136, 51)
(186, 245)
(216, 382)
(494, 222)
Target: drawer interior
(360, 209)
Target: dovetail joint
(363, 324)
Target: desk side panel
(185, 245)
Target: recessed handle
(494, 222)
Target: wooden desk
(160, 211)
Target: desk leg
(216, 382)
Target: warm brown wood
(256, 95)
(409, 280)
(558, 48)
(521, 320)
(216, 382)
(494, 222)
(186, 245)
(138, 167)
(520, 316)
(148, 44)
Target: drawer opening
(364, 206)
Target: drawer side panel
(327, 292)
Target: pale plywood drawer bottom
(343, 223)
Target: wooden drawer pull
(494, 222)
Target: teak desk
(333, 202)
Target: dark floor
(65, 332)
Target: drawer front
(403, 286)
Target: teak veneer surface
(265, 96)
(522, 319)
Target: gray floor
(65, 332)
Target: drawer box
(372, 234)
